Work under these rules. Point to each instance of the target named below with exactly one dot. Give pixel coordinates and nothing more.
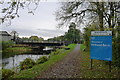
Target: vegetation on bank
(100, 68)
(8, 50)
(42, 60)
(39, 68)
(6, 44)
(27, 63)
(6, 73)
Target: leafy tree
(73, 34)
(58, 38)
(24, 39)
(87, 34)
(41, 39)
(34, 38)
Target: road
(69, 67)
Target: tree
(10, 11)
(116, 48)
(41, 39)
(105, 14)
(87, 34)
(112, 11)
(34, 38)
(58, 38)
(97, 16)
(25, 39)
(89, 12)
(73, 34)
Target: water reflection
(12, 62)
(47, 48)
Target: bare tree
(10, 10)
(88, 13)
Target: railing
(30, 41)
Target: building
(5, 36)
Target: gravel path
(69, 67)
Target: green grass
(8, 52)
(82, 46)
(100, 69)
(38, 69)
(0, 51)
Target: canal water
(14, 62)
(11, 62)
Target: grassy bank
(9, 49)
(8, 52)
(38, 69)
(100, 69)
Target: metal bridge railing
(29, 41)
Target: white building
(4, 36)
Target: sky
(41, 24)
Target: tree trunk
(100, 10)
(101, 15)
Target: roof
(4, 33)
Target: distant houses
(5, 36)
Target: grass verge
(38, 69)
(8, 52)
(100, 69)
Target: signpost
(101, 46)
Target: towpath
(69, 67)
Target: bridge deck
(41, 43)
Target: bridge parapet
(41, 43)
(29, 41)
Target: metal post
(91, 63)
(109, 66)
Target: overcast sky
(42, 24)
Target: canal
(14, 62)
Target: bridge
(41, 43)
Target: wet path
(69, 67)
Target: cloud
(28, 31)
(51, 32)
(54, 31)
(42, 24)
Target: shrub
(6, 73)
(54, 53)
(116, 48)
(42, 60)
(27, 63)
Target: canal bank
(12, 57)
(13, 62)
(69, 67)
(38, 69)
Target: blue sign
(101, 47)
